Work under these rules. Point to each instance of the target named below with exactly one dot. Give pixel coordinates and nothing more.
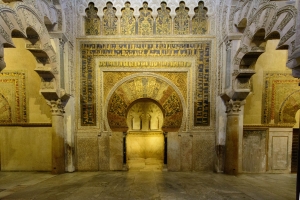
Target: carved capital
(228, 45)
(62, 43)
(56, 107)
(233, 107)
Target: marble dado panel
(254, 152)
(189, 151)
(87, 154)
(278, 92)
(280, 149)
(90, 50)
(266, 149)
(13, 104)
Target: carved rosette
(56, 107)
(233, 107)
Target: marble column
(231, 164)
(58, 149)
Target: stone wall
(25, 148)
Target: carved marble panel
(104, 151)
(87, 154)
(280, 149)
(116, 151)
(127, 20)
(254, 151)
(92, 21)
(110, 20)
(199, 21)
(181, 20)
(145, 20)
(163, 20)
(173, 152)
(203, 152)
(186, 154)
(279, 152)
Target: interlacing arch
(23, 21)
(268, 22)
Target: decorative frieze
(147, 21)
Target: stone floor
(142, 184)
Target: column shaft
(58, 145)
(232, 144)
(231, 165)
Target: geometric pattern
(277, 87)
(90, 50)
(13, 97)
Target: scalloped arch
(23, 17)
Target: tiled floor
(143, 184)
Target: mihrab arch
(141, 86)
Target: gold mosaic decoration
(289, 108)
(164, 20)
(110, 20)
(127, 20)
(144, 87)
(110, 79)
(5, 110)
(13, 97)
(277, 88)
(145, 64)
(179, 79)
(199, 21)
(145, 20)
(200, 50)
(181, 20)
(92, 21)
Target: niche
(145, 138)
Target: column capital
(61, 43)
(233, 107)
(56, 107)
(228, 44)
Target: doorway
(145, 139)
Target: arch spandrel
(145, 87)
(289, 108)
